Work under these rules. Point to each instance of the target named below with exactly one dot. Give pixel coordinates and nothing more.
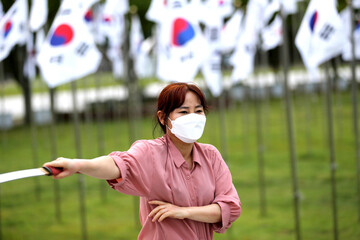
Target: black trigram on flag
(327, 31)
(82, 49)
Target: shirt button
(188, 177)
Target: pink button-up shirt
(156, 170)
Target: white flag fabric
(30, 62)
(113, 22)
(140, 50)
(289, 6)
(223, 7)
(230, 32)
(112, 27)
(136, 36)
(272, 34)
(40, 39)
(356, 3)
(69, 51)
(155, 7)
(115, 55)
(347, 50)
(321, 35)
(1, 10)
(211, 67)
(243, 57)
(145, 62)
(181, 45)
(243, 61)
(13, 27)
(38, 14)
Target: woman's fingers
(157, 202)
(165, 210)
(65, 163)
(159, 214)
(155, 210)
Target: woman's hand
(164, 210)
(208, 213)
(69, 166)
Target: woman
(185, 187)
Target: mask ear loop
(167, 124)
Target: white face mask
(188, 128)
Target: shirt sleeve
(136, 170)
(226, 195)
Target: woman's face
(192, 104)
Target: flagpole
(134, 102)
(56, 184)
(100, 130)
(81, 179)
(260, 147)
(33, 127)
(354, 88)
(308, 96)
(246, 121)
(332, 148)
(2, 96)
(99, 111)
(2, 100)
(339, 112)
(1, 233)
(33, 133)
(291, 138)
(222, 118)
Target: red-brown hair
(173, 96)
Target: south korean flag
(321, 35)
(69, 52)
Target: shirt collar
(177, 156)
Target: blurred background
(80, 79)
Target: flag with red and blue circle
(7, 28)
(62, 35)
(313, 20)
(182, 32)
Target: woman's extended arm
(209, 213)
(101, 167)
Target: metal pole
(295, 185)
(4, 142)
(338, 107)
(134, 102)
(331, 148)
(308, 118)
(100, 131)
(33, 132)
(1, 233)
(354, 88)
(34, 145)
(260, 149)
(2, 100)
(246, 121)
(99, 113)
(81, 179)
(222, 119)
(57, 196)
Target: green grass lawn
(29, 213)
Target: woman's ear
(161, 117)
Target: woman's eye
(199, 111)
(183, 112)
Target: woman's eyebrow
(184, 107)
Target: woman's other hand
(165, 210)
